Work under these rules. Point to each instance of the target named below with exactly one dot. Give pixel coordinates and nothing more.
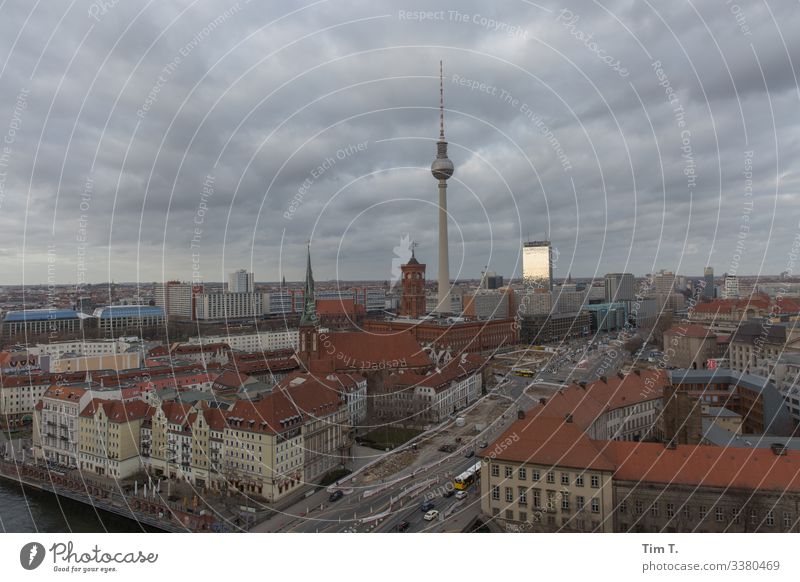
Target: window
(753, 517)
(496, 493)
(580, 501)
(523, 516)
(537, 498)
(535, 474)
(523, 496)
(551, 500)
(509, 471)
(638, 507)
(551, 477)
(787, 520)
(595, 480)
(595, 505)
(509, 514)
(579, 481)
(770, 518)
(687, 511)
(565, 478)
(736, 515)
(495, 470)
(509, 494)
(623, 506)
(654, 509)
(670, 510)
(719, 514)
(703, 511)
(565, 502)
(522, 474)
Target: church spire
(309, 303)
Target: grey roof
(721, 411)
(718, 436)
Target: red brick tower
(412, 303)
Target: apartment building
(55, 426)
(262, 341)
(109, 437)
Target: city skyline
(111, 196)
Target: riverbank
(152, 514)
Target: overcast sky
(188, 139)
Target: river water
(27, 510)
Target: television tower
(442, 169)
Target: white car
(431, 515)
(461, 494)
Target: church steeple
(309, 316)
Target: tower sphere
(442, 168)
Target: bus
(463, 481)
(524, 372)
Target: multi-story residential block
(261, 341)
(55, 425)
(109, 437)
(418, 399)
(226, 306)
(241, 281)
(177, 298)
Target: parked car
(403, 526)
(449, 493)
(426, 506)
(431, 515)
(335, 496)
(461, 495)
(483, 444)
(470, 454)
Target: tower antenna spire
(441, 102)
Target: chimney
(620, 375)
(604, 379)
(672, 445)
(520, 414)
(542, 401)
(778, 449)
(582, 384)
(638, 372)
(569, 418)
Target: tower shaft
(443, 296)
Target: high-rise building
(708, 278)
(442, 169)
(537, 265)
(413, 300)
(620, 287)
(664, 282)
(178, 299)
(241, 281)
(731, 287)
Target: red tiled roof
(176, 412)
(709, 466)
(440, 380)
(355, 350)
(338, 307)
(231, 379)
(117, 410)
(65, 392)
(549, 441)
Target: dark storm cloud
(319, 121)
